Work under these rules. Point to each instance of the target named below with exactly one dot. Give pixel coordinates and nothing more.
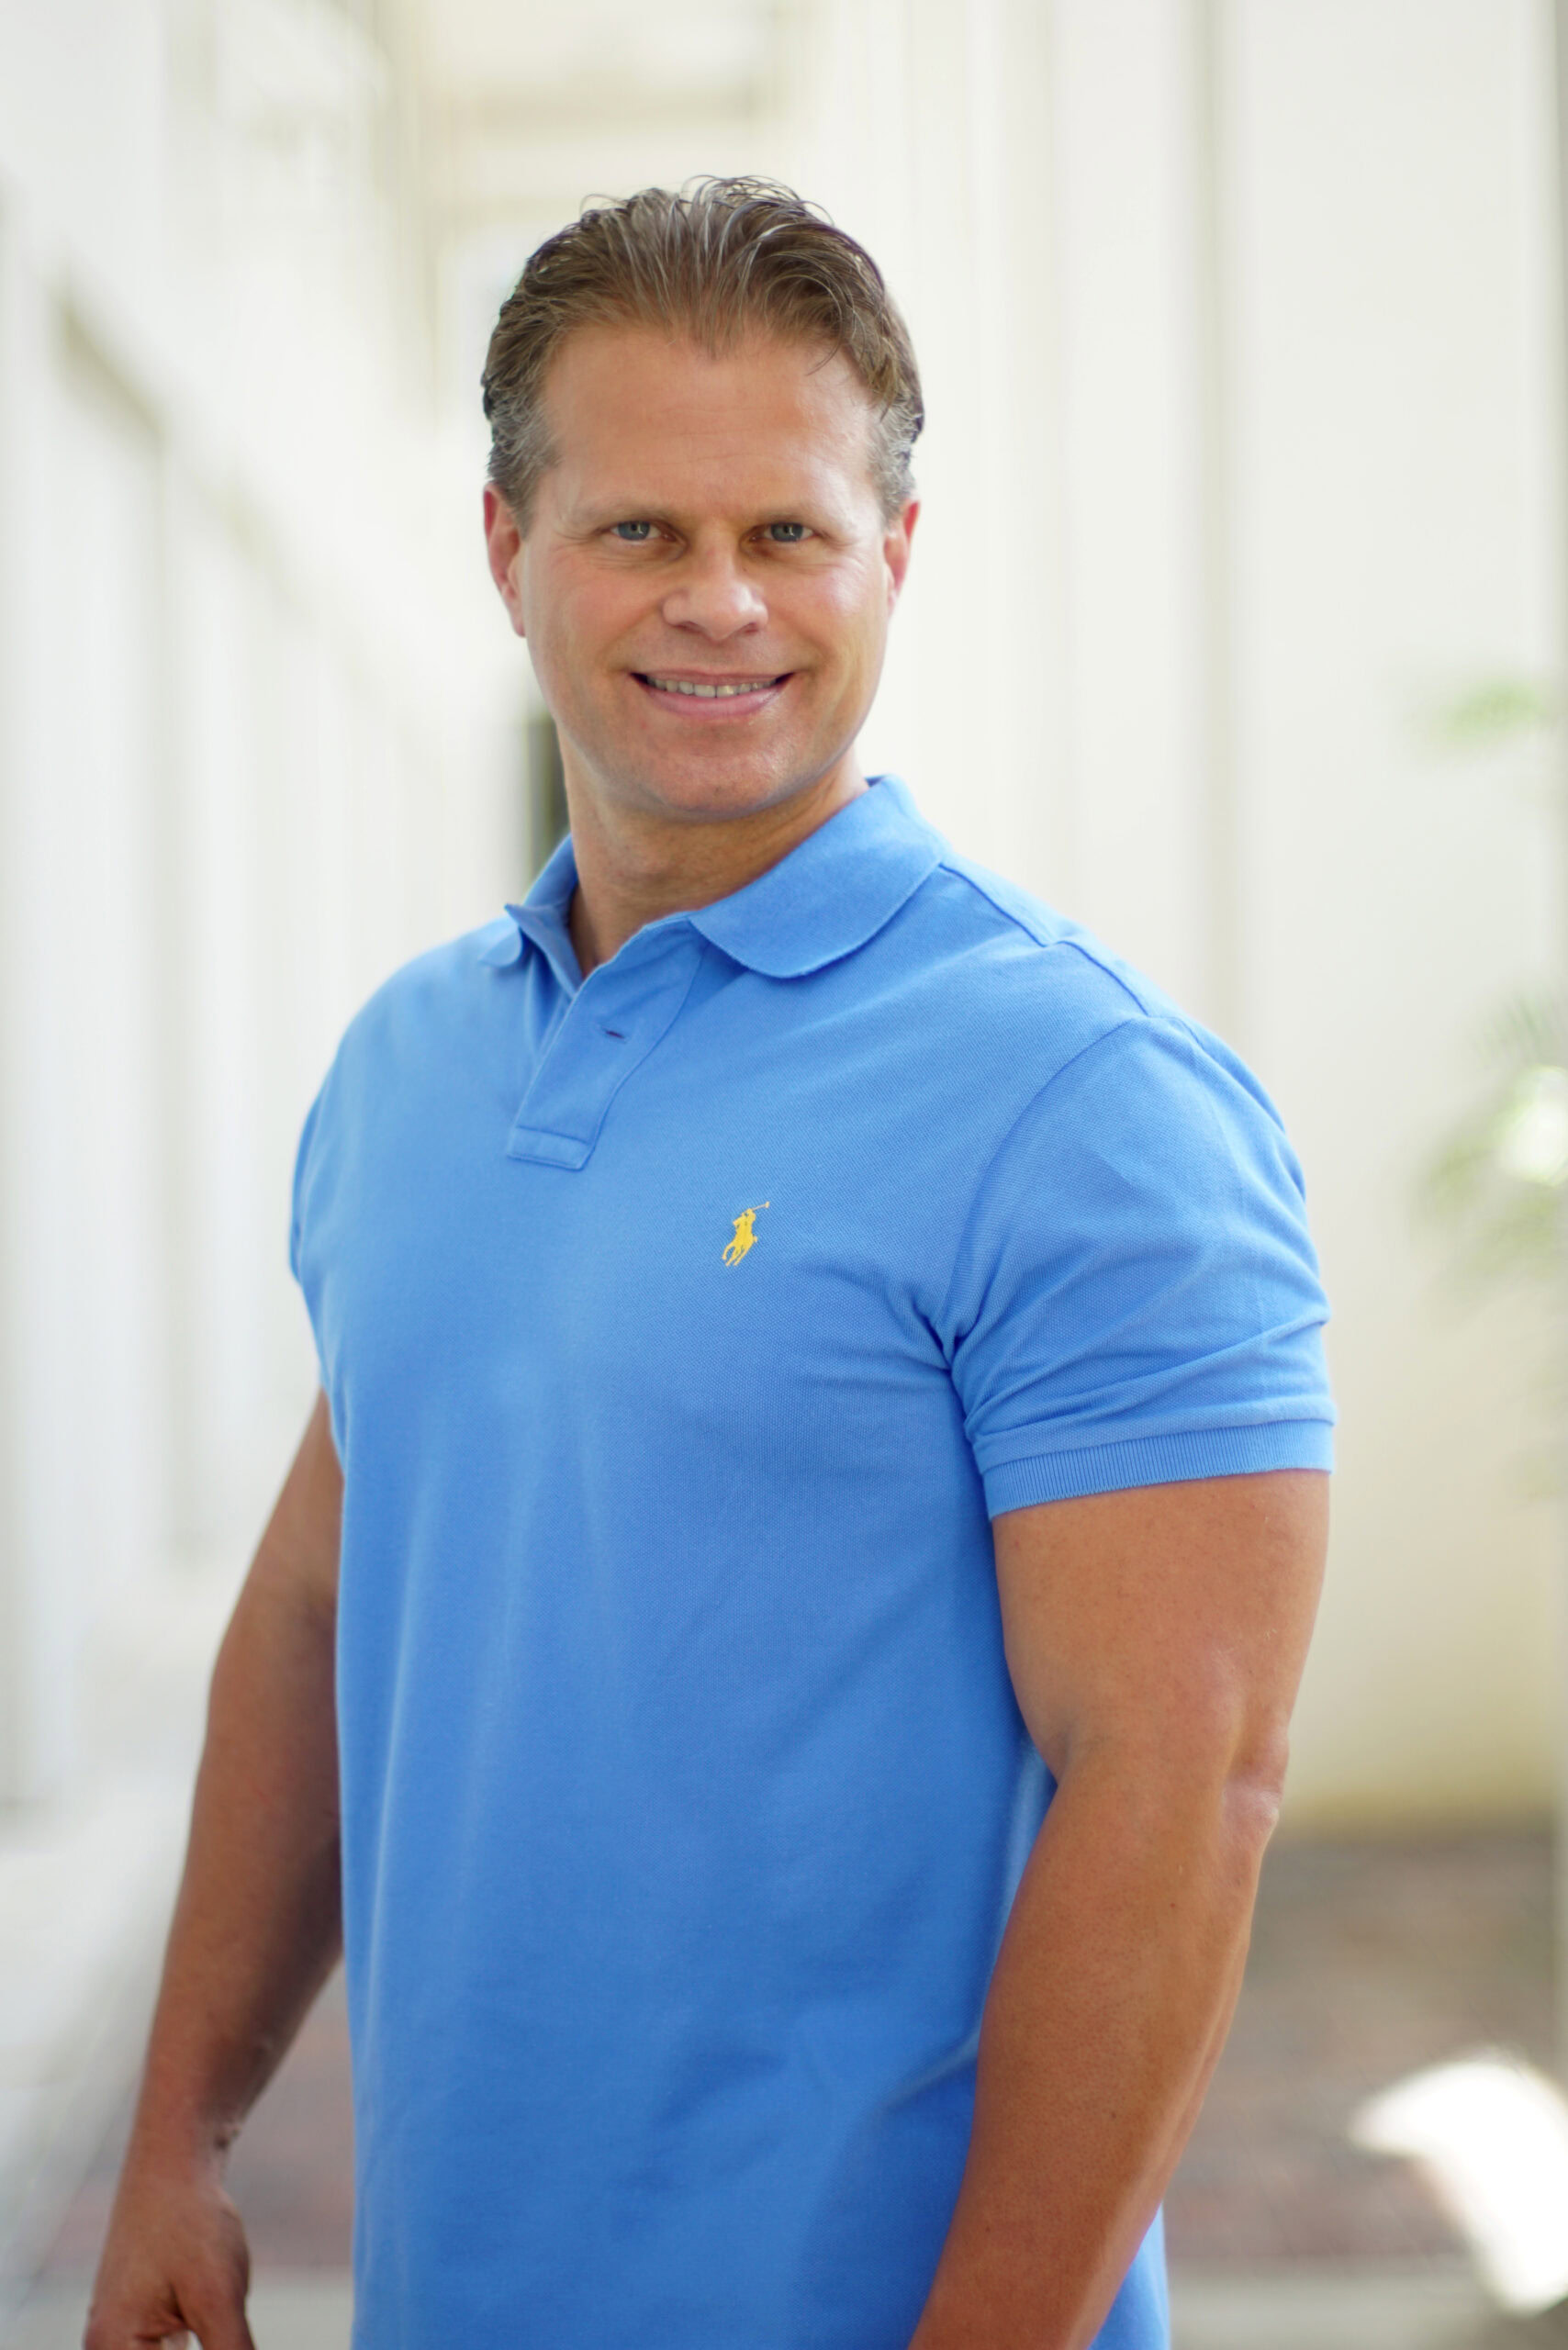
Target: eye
(633, 534)
(786, 534)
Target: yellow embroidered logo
(746, 1233)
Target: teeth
(709, 693)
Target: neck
(633, 868)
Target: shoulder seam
(1049, 945)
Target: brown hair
(720, 258)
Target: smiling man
(774, 1654)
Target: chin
(740, 788)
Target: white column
(37, 1616)
(1399, 452)
(1126, 121)
(1031, 177)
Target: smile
(707, 688)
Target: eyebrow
(598, 513)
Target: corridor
(1237, 628)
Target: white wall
(1398, 538)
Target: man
(817, 1356)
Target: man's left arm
(1155, 1639)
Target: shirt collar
(541, 921)
(828, 897)
(842, 884)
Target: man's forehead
(641, 390)
(757, 479)
(623, 346)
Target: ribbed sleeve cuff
(1159, 1460)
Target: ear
(896, 541)
(503, 542)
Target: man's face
(709, 523)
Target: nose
(713, 597)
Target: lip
(702, 710)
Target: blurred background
(1236, 629)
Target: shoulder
(440, 981)
(425, 1026)
(429, 1002)
(1016, 943)
(406, 1060)
(1046, 1010)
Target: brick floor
(1368, 1961)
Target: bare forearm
(256, 1928)
(257, 1923)
(1110, 2002)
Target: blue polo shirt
(683, 1328)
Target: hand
(175, 2265)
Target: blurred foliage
(1494, 711)
(1497, 1178)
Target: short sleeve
(1135, 1299)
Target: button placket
(619, 1015)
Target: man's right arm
(257, 1928)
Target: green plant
(1497, 1178)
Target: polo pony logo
(746, 1233)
